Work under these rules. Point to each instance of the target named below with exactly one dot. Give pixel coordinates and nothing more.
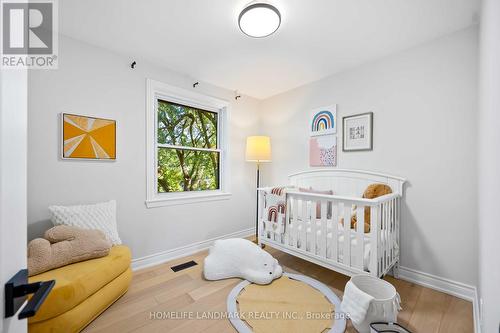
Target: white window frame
(157, 90)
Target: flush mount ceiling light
(259, 20)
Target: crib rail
(317, 228)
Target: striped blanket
(275, 209)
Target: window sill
(186, 199)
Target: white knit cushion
(101, 216)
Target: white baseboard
(447, 286)
(454, 288)
(476, 308)
(183, 251)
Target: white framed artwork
(357, 132)
(323, 121)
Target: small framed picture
(357, 132)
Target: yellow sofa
(82, 291)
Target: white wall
(489, 165)
(92, 81)
(425, 105)
(425, 115)
(13, 146)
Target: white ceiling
(317, 38)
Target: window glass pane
(181, 170)
(181, 125)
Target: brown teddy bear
(372, 191)
(64, 245)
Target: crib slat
(261, 212)
(398, 212)
(314, 224)
(383, 236)
(398, 226)
(395, 235)
(393, 210)
(374, 241)
(386, 243)
(285, 236)
(303, 231)
(360, 229)
(323, 227)
(347, 235)
(295, 223)
(393, 227)
(332, 244)
(310, 219)
(314, 220)
(389, 232)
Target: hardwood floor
(159, 290)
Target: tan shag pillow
(64, 245)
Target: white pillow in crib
(101, 216)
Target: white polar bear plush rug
(237, 257)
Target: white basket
(385, 305)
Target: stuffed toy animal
(237, 257)
(372, 191)
(64, 245)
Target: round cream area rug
(292, 303)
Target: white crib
(322, 240)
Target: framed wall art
(88, 138)
(357, 132)
(323, 121)
(323, 151)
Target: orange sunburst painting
(88, 137)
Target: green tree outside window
(188, 154)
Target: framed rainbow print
(324, 121)
(88, 138)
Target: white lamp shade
(258, 149)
